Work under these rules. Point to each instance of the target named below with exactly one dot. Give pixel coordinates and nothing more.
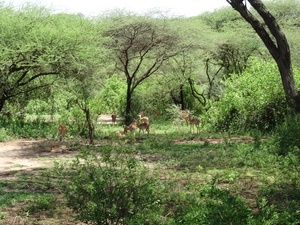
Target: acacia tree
(37, 48)
(139, 49)
(276, 43)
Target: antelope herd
(142, 123)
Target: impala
(131, 127)
(57, 148)
(120, 133)
(143, 127)
(113, 117)
(62, 130)
(194, 122)
(185, 115)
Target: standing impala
(143, 127)
(62, 130)
(113, 117)
(194, 122)
(132, 127)
(185, 115)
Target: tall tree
(38, 48)
(139, 48)
(275, 41)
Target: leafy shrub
(109, 186)
(279, 204)
(287, 135)
(213, 206)
(42, 203)
(112, 96)
(3, 135)
(18, 127)
(254, 100)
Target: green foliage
(279, 205)
(3, 135)
(253, 100)
(43, 202)
(112, 96)
(109, 186)
(20, 128)
(286, 12)
(221, 19)
(287, 136)
(213, 206)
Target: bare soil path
(27, 155)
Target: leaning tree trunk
(275, 42)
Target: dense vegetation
(65, 68)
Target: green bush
(213, 206)
(112, 96)
(18, 127)
(109, 186)
(3, 135)
(287, 136)
(254, 100)
(279, 204)
(42, 203)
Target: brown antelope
(194, 122)
(185, 115)
(62, 130)
(57, 148)
(143, 127)
(120, 133)
(143, 119)
(131, 127)
(113, 117)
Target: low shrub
(109, 186)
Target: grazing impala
(143, 127)
(194, 122)
(131, 127)
(62, 130)
(143, 119)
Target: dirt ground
(27, 155)
(31, 154)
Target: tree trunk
(291, 93)
(279, 50)
(2, 102)
(90, 125)
(182, 97)
(128, 105)
(88, 120)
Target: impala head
(143, 119)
